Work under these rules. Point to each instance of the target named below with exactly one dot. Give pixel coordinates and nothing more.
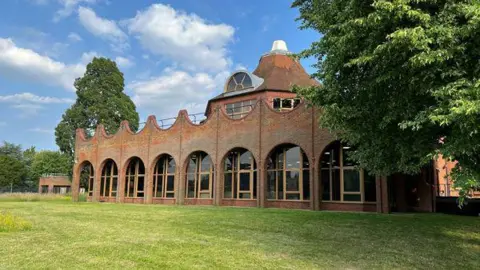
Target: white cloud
(103, 28)
(74, 37)
(32, 98)
(124, 62)
(88, 57)
(166, 94)
(185, 38)
(30, 104)
(68, 6)
(26, 64)
(28, 110)
(43, 130)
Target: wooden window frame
(135, 176)
(281, 108)
(110, 175)
(235, 172)
(163, 177)
(246, 106)
(198, 176)
(284, 171)
(91, 180)
(342, 170)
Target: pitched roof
(281, 72)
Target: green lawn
(123, 236)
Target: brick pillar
(314, 188)
(149, 183)
(180, 192)
(382, 195)
(97, 178)
(121, 183)
(50, 188)
(261, 184)
(218, 185)
(75, 184)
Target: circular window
(239, 81)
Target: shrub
(9, 222)
(33, 197)
(82, 197)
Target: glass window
(286, 104)
(199, 176)
(277, 105)
(289, 176)
(227, 186)
(292, 178)
(370, 188)
(240, 166)
(244, 182)
(108, 185)
(239, 109)
(135, 179)
(239, 81)
(351, 180)
(164, 176)
(340, 179)
(352, 197)
(325, 178)
(271, 185)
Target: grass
(9, 223)
(122, 236)
(33, 197)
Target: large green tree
(13, 168)
(100, 100)
(46, 162)
(401, 80)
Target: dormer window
(239, 81)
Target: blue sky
(174, 54)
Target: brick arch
(152, 165)
(269, 153)
(127, 162)
(319, 157)
(77, 174)
(104, 161)
(187, 159)
(222, 159)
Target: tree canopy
(14, 165)
(100, 100)
(46, 162)
(401, 81)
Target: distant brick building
(259, 146)
(444, 182)
(54, 183)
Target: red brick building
(259, 146)
(54, 183)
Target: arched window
(135, 179)
(341, 180)
(240, 175)
(87, 178)
(164, 177)
(109, 180)
(199, 176)
(239, 81)
(288, 174)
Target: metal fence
(196, 118)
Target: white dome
(279, 45)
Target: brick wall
(260, 132)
